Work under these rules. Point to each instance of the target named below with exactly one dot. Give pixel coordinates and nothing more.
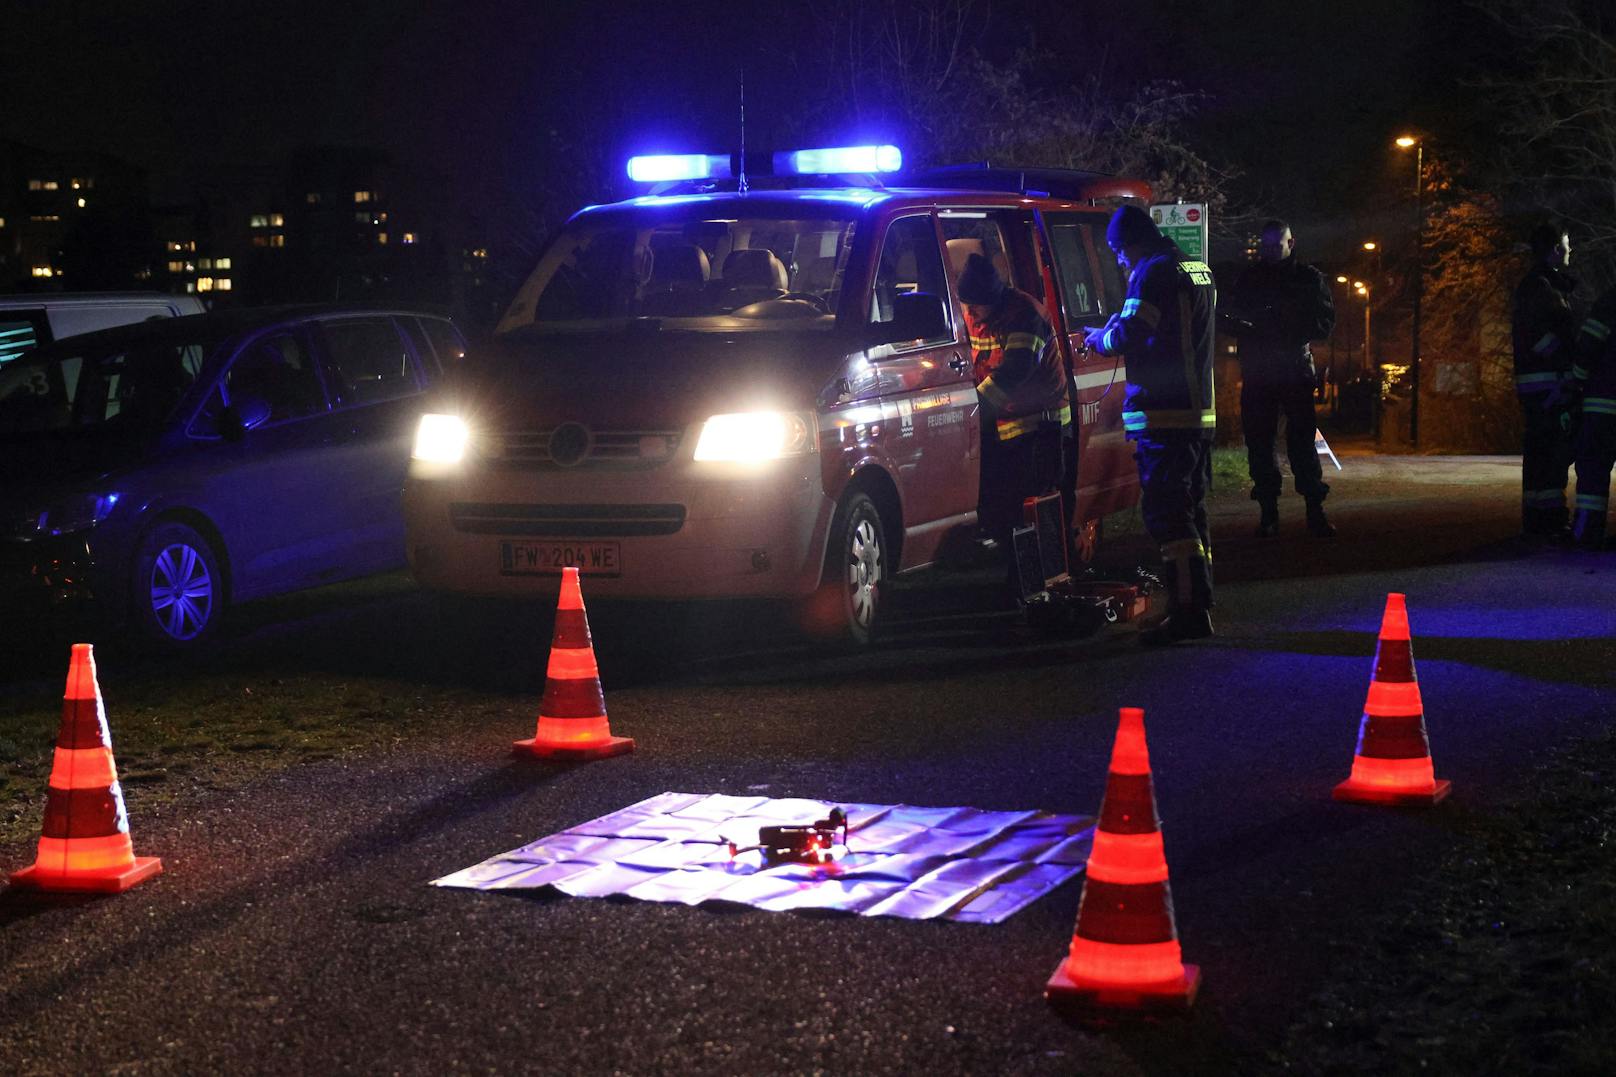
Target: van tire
(177, 590)
(848, 604)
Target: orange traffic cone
(1393, 761)
(1125, 951)
(85, 844)
(572, 714)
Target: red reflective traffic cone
(1125, 952)
(85, 843)
(1393, 761)
(572, 714)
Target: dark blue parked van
(165, 470)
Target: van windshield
(714, 272)
(90, 382)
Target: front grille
(616, 450)
(569, 521)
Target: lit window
(258, 220)
(206, 263)
(362, 196)
(480, 252)
(143, 273)
(176, 267)
(81, 203)
(221, 263)
(190, 244)
(36, 185)
(44, 271)
(204, 284)
(222, 284)
(381, 217)
(174, 246)
(277, 241)
(277, 220)
(313, 197)
(190, 286)
(409, 237)
(381, 237)
(2, 222)
(74, 184)
(190, 267)
(260, 241)
(45, 217)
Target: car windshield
(708, 272)
(92, 381)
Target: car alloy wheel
(864, 570)
(181, 591)
(178, 589)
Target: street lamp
(1413, 142)
(1363, 290)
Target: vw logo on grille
(569, 444)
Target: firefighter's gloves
(1094, 339)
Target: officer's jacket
(1019, 372)
(1543, 330)
(1164, 332)
(1275, 311)
(1595, 368)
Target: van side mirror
(242, 416)
(915, 316)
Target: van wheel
(177, 590)
(848, 602)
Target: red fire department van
(726, 390)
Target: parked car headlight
(77, 513)
(757, 435)
(440, 439)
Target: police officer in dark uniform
(1543, 330)
(1595, 374)
(1275, 308)
(1164, 333)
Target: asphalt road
(293, 930)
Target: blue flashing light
(662, 168)
(834, 160)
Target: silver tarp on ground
(917, 863)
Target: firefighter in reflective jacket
(1164, 333)
(1021, 387)
(1542, 329)
(1595, 374)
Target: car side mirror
(915, 316)
(242, 416)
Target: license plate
(549, 558)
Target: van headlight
(757, 435)
(440, 439)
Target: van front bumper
(681, 532)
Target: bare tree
(911, 67)
(1559, 110)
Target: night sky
(1303, 102)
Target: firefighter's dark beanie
(979, 283)
(1130, 225)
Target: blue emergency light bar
(662, 168)
(828, 161)
(835, 160)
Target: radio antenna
(743, 130)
